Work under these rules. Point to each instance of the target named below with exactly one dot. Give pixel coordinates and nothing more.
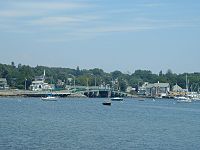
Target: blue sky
(112, 35)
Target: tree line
(17, 74)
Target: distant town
(23, 80)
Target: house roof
(162, 85)
(176, 88)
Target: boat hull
(106, 103)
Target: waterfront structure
(142, 89)
(130, 89)
(177, 88)
(3, 84)
(154, 89)
(39, 84)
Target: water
(85, 124)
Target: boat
(107, 102)
(50, 97)
(184, 99)
(117, 99)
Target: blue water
(85, 124)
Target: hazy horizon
(111, 35)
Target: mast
(186, 82)
(44, 73)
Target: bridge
(91, 91)
(96, 91)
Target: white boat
(117, 99)
(49, 98)
(183, 99)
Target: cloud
(18, 13)
(52, 5)
(49, 21)
(60, 17)
(109, 29)
(151, 5)
(38, 8)
(63, 20)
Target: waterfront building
(3, 84)
(177, 88)
(130, 89)
(178, 91)
(155, 89)
(39, 84)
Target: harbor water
(86, 124)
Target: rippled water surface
(85, 124)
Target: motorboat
(49, 98)
(117, 99)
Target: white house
(3, 84)
(39, 84)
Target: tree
(169, 72)
(13, 64)
(19, 65)
(116, 74)
(16, 76)
(160, 73)
(78, 72)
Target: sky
(123, 35)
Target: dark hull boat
(107, 103)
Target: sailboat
(49, 97)
(107, 101)
(184, 98)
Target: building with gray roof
(156, 89)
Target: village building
(177, 88)
(154, 89)
(3, 84)
(39, 84)
(178, 91)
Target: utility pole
(25, 84)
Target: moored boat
(107, 103)
(183, 99)
(49, 98)
(117, 99)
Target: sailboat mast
(186, 83)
